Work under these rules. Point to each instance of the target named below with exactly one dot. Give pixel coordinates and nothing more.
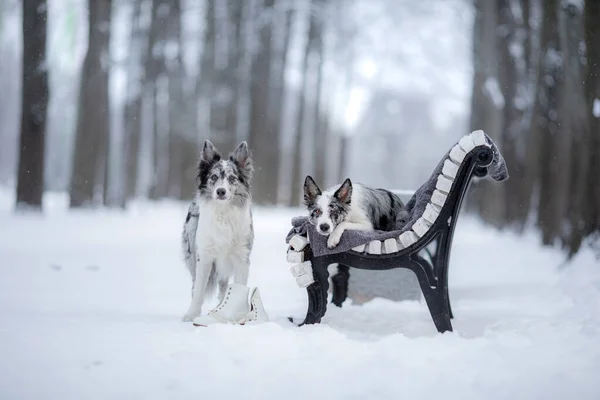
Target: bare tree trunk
(576, 105)
(320, 135)
(279, 91)
(156, 89)
(314, 32)
(223, 101)
(514, 81)
(592, 37)
(207, 69)
(343, 168)
(133, 107)
(189, 153)
(30, 184)
(554, 140)
(322, 143)
(487, 104)
(576, 126)
(282, 34)
(178, 118)
(264, 138)
(92, 135)
(519, 192)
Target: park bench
(421, 243)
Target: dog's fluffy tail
(188, 238)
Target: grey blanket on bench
(413, 210)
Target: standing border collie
(218, 233)
(349, 206)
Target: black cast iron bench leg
(317, 293)
(434, 261)
(438, 308)
(436, 297)
(449, 306)
(435, 293)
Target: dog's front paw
(334, 238)
(190, 315)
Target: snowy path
(90, 307)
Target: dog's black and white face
(225, 180)
(326, 210)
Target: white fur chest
(222, 228)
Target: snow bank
(90, 307)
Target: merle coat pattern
(350, 206)
(218, 232)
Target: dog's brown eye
(214, 177)
(317, 213)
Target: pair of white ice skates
(241, 305)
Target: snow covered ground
(90, 307)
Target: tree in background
(585, 212)
(227, 44)
(179, 121)
(92, 134)
(488, 100)
(138, 43)
(304, 139)
(155, 94)
(263, 138)
(514, 43)
(541, 114)
(30, 184)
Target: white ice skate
(257, 311)
(236, 309)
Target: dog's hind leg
(204, 268)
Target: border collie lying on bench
(428, 220)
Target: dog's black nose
(221, 192)
(324, 227)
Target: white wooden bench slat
(408, 238)
(421, 227)
(390, 245)
(374, 247)
(301, 269)
(457, 154)
(450, 169)
(360, 248)
(438, 198)
(443, 184)
(479, 138)
(466, 143)
(430, 213)
(298, 242)
(295, 257)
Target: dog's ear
(241, 155)
(311, 191)
(344, 193)
(209, 152)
